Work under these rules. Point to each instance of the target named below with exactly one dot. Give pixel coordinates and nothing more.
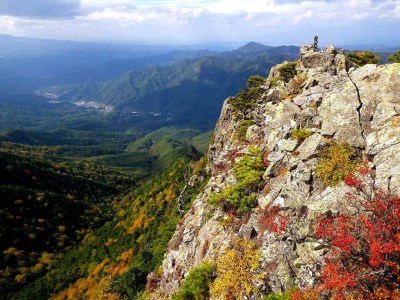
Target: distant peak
(253, 47)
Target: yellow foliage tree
(20, 278)
(170, 195)
(337, 161)
(237, 271)
(98, 283)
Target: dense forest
(64, 218)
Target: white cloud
(8, 24)
(196, 20)
(91, 6)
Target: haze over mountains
(171, 87)
(33, 63)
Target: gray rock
(363, 72)
(253, 133)
(378, 88)
(339, 113)
(287, 145)
(388, 169)
(310, 146)
(307, 253)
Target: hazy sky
(197, 21)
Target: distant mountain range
(186, 92)
(158, 87)
(32, 63)
(29, 64)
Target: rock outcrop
(361, 108)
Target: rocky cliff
(360, 107)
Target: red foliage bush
(273, 220)
(232, 212)
(153, 281)
(221, 167)
(352, 180)
(305, 295)
(365, 242)
(233, 154)
(266, 162)
(204, 248)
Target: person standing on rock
(315, 43)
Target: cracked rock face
(361, 108)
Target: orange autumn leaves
(97, 284)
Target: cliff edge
(300, 109)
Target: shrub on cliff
(197, 284)
(361, 58)
(242, 130)
(233, 198)
(246, 97)
(288, 71)
(301, 134)
(395, 58)
(248, 172)
(336, 162)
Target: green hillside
(47, 205)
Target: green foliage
(248, 173)
(197, 284)
(246, 98)
(255, 81)
(165, 145)
(361, 58)
(242, 130)
(301, 134)
(233, 197)
(275, 80)
(253, 85)
(51, 203)
(249, 170)
(288, 71)
(395, 57)
(336, 162)
(201, 141)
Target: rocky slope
(360, 107)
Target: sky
(272, 22)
